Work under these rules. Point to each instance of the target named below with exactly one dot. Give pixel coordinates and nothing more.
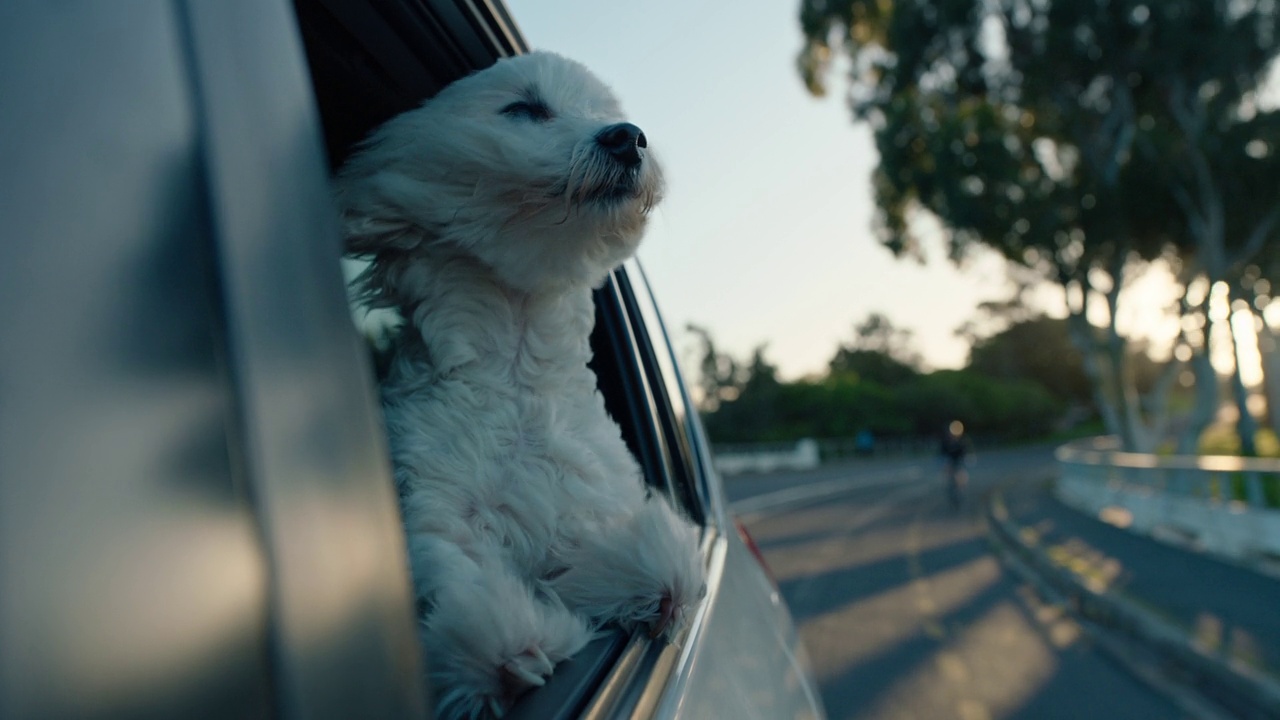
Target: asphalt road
(904, 611)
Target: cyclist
(954, 449)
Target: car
(197, 512)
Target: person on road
(955, 448)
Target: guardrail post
(1253, 490)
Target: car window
(635, 393)
(641, 418)
(356, 51)
(670, 398)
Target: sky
(766, 232)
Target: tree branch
(1257, 239)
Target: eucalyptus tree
(1217, 146)
(1045, 130)
(1251, 210)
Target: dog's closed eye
(534, 110)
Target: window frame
(293, 354)
(406, 50)
(621, 675)
(636, 410)
(672, 397)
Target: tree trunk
(1082, 336)
(1246, 426)
(1140, 433)
(1269, 347)
(1205, 405)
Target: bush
(841, 406)
(1009, 410)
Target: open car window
(670, 396)
(617, 675)
(629, 388)
(627, 361)
(372, 60)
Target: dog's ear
(389, 245)
(364, 235)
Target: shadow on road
(906, 614)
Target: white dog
(488, 215)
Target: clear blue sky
(766, 232)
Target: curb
(1235, 687)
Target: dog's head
(529, 166)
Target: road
(904, 611)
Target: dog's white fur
(529, 524)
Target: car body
(196, 507)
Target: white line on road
(815, 491)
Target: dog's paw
(491, 641)
(643, 572)
(670, 613)
(668, 619)
(490, 694)
(525, 671)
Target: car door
(196, 511)
(742, 657)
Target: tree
(994, 409)
(1044, 130)
(1259, 290)
(1242, 166)
(1039, 350)
(719, 376)
(879, 353)
(754, 412)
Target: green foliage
(870, 366)
(828, 408)
(1222, 439)
(1060, 133)
(1038, 350)
(1016, 409)
(842, 404)
(873, 384)
(879, 353)
(840, 407)
(1076, 137)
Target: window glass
(668, 389)
(621, 381)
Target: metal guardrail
(1252, 482)
(1228, 506)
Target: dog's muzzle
(622, 142)
(613, 169)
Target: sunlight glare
(1116, 515)
(1247, 339)
(1218, 308)
(990, 669)
(1146, 309)
(1272, 314)
(835, 650)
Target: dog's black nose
(623, 142)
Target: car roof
(372, 60)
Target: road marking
(802, 494)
